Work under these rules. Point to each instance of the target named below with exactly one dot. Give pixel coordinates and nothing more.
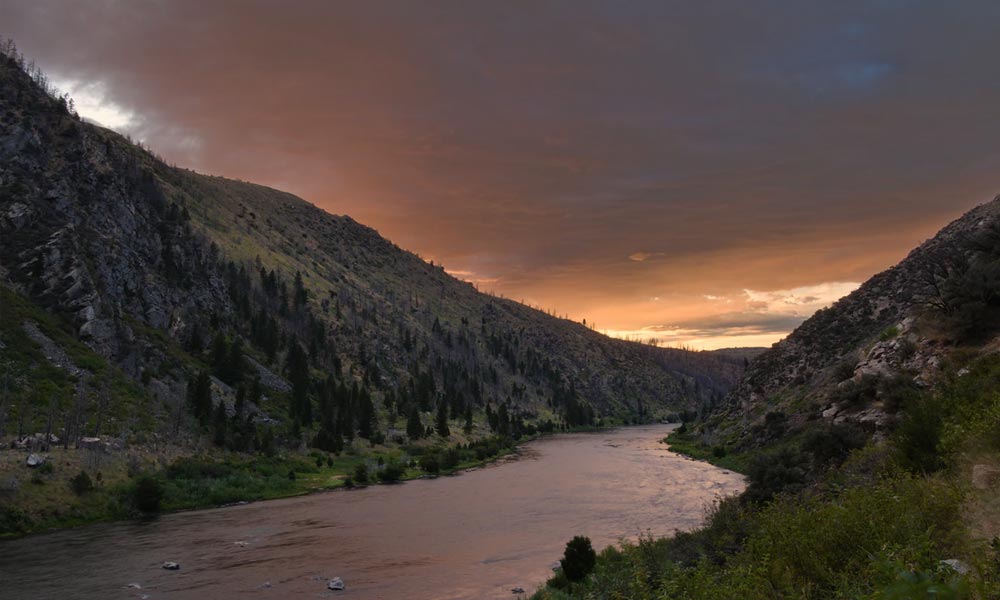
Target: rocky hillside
(856, 361)
(187, 290)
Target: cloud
(766, 148)
(800, 301)
(472, 277)
(766, 317)
(92, 102)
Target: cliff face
(146, 263)
(900, 325)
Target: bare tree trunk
(79, 410)
(178, 414)
(4, 400)
(21, 410)
(48, 426)
(102, 405)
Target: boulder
(90, 443)
(335, 584)
(171, 566)
(985, 477)
(956, 565)
(35, 460)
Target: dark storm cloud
(586, 156)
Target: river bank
(473, 536)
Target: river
(475, 535)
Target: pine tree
(467, 428)
(220, 351)
(219, 424)
(297, 367)
(301, 295)
(441, 425)
(414, 428)
(199, 396)
(366, 414)
(234, 366)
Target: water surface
(475, 535)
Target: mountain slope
(852, 361)
(167, 273)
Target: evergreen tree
(414, 428)
(232, 371)
(240, 406)
(300, 294)
(195, 344)
(199, 396)
(467, 428)
(366, 414)
(220, 351)
(219, 424)
(297, 367)
(579, 558)
(441, 425)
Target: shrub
(832, 443)
(391, 472)
(898, 392)
(81, 483)
(919, 435)
(854, 392)
(148, 494)
(578, 559)
(429, 463)
(361, 474)
(775, 472)
(845, 369)
(889, 333)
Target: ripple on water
(474, 536)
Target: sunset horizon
(669, 215)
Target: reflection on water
(476, 535)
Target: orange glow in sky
(610, 162)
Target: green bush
(361, 474)
(578, 559)
(830, 444)
(391, 472)
(148, 494)
(430, 464)
(919, 434)
(775, 472)
(81, 483)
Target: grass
(213, 478)
(684, 443)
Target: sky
(703, 174)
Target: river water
(475, 535)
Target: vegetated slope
(870, 438)
(311, 320)
(895, 331)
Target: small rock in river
(335, 584)
(171, 566)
